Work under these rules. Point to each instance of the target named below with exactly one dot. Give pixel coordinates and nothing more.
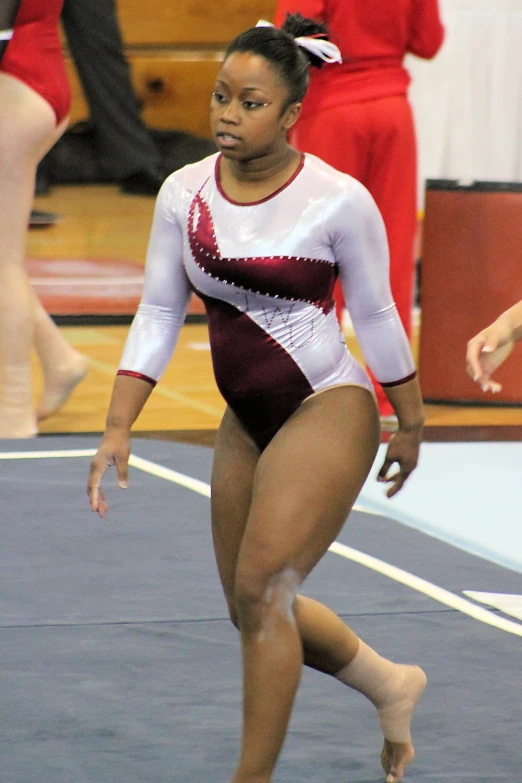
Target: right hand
(403, 450)
(486, 352)
(114, 450)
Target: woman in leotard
(261, 232)
(34, 101)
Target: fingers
(491, 386)
(404, 452)
(96, 495)
(486, 352)
(102, 505)
(397, 481)
(475, 348)
(114, 450)
(122, 471)
(386, 465)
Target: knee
(232, 613)
(262, 599)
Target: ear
(291, 115)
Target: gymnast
(261, 232)
(34, 101)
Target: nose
(230, 113)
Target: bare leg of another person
(27, 130)
(62, 366)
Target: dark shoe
(39, 219)
(142, 183)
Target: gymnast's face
(249, 115)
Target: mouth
(227, 139)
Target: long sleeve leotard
(266, 273)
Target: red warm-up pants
(374, 141)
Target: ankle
(375, 677)
(66, 364)
(19, 423)
(245, 778)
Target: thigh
(306, 483)
(27, 130)
(235, 461)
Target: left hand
(403, 449)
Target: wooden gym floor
(99, 221)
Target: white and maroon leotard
(266, 272)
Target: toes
(395, 774)
(394, 760)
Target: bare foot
(59, 386)
(395, 719)
(16, 425)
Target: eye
(249, 105)
(218, 97)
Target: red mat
(95, 286)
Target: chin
(226, 153)
(241, 156)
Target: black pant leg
(93, 33)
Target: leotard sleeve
(8, 12)
(166, 293)
(358, 237)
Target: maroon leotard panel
(34, 54)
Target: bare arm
(129, 396)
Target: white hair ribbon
(325, 50)
(6, 35)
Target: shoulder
(177, 191)
(340, 187)
(346, 200)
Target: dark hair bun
(297, 25)
(279, 48)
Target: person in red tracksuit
(356, 116)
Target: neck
(262, 168)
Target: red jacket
(373, 36)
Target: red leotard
(34, 54)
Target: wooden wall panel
(175, 90)
(189, 22)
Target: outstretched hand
(486, 352)
(403, 450)
(114, 450)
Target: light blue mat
(468, 494)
